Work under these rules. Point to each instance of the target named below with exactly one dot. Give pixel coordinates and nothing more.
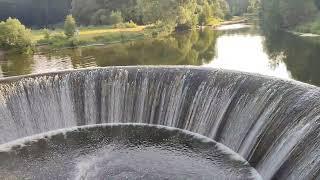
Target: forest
(83, 22)
(296, 15)
(274, 14)
(35, 13)
(46, 13)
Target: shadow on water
(15, 64)
(300, 54)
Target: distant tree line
(44, 13)
(286, 14)
(35, 13)
(238, 7)
(181, 13)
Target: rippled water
(121, 151)
(237, 47)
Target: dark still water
(237, 47)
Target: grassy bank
(103, 35)
(88, 36)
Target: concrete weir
(274, 124)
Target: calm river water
(237, 47)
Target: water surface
(237, 47)
(123, 151)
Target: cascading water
(273, 124)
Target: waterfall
(274, 124)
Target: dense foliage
(178, 13)
(287, 14)
(238, 7)
(70, 26)
(115, 17)
(253, 6)
(15, 36)
(35, 13)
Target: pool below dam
(122, 151)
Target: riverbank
(102, 35)
(234, 20)
(231, 22)
(308, 29)
(305, 34)
(301, 34)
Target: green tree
(187, 16)
(205, 14)
(287, 14)
(35, 13)
(46, 34)
(238, 7)
(115, 17)
(14, 35)
(253, 6)
(317, 3)
(181, 13)
(98, 16)
(70, 26)
(167, 15)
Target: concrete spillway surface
(254, 121)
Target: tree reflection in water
(300, 55)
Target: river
(237, 47)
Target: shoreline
(97, 43)
(225, 23)
(240, 21)
(39, 47)
(301, 34)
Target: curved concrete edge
(147, 67)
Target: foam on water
(167, 152)
(47, 135)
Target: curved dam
(273, 124)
